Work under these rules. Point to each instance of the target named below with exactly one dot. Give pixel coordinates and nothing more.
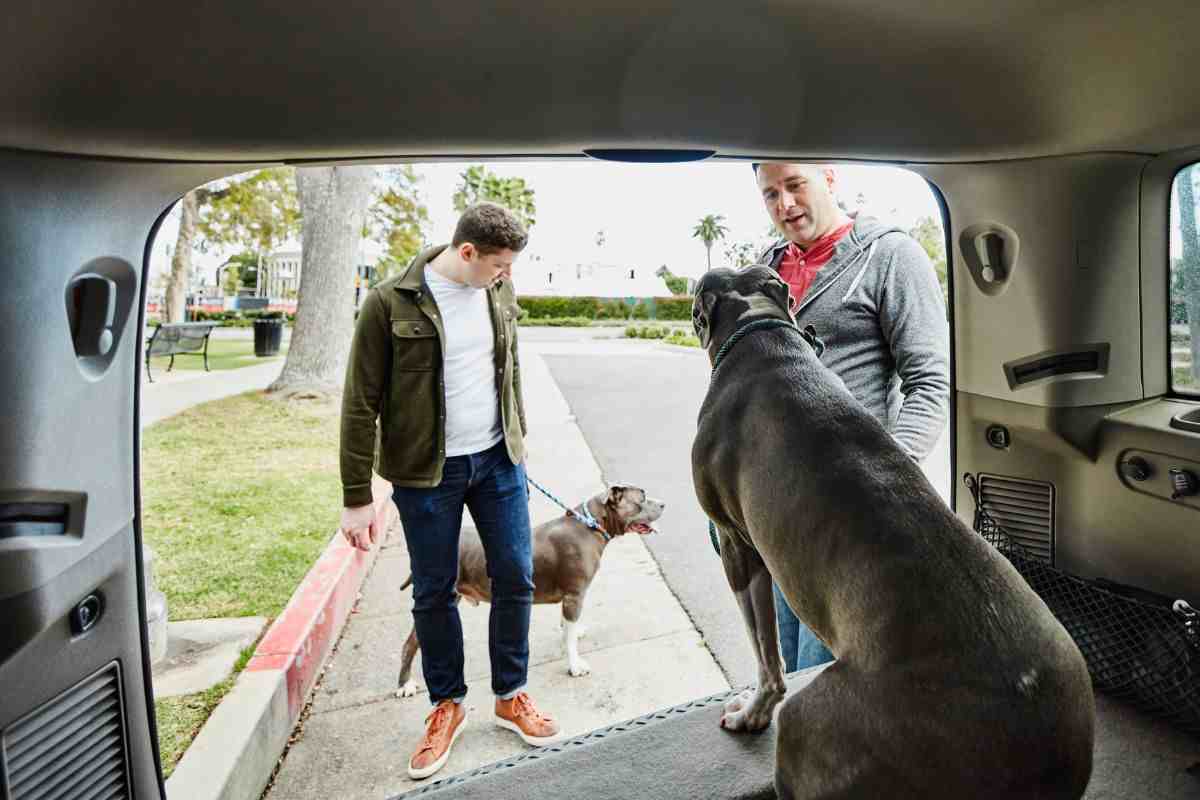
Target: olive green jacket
(394, 401)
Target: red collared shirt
(800, 267)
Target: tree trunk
(181, 261)
(1191, 262)
(333, 208)
(708, 254)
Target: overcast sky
(647, 212)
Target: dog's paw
(579, 668)
(581, 631)
(408, 689)
(738, 702)
(745, 721)
(742, 713)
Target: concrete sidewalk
(176, 391)
(644, 652)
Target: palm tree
(709, 230)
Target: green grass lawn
(239, 497)
(222, 354)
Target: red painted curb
(301, 637)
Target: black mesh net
(1139, 648)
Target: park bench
(177, 339)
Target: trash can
(268, 336)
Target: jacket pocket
(414, 344)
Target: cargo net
(1139, 648)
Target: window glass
(1185, 284)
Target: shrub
(612, 309)
(545, 307)
(646, 332)
(641, 311)
(673, 308)
(677, 284)
(683, 339)
(556, 322)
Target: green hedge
(239, 319)
(555, 322)
(612, 309)
(547, 307)
(665, 308)
(676, 308)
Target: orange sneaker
(520, 716)
(442, 727)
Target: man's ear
(702, 316)
(777, 290)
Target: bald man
(873, 297)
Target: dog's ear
(702, 316)
(615, 493)
(777, 289)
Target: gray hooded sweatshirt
(878, 308)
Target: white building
(281, 269)
(281, 276)
(589, 280)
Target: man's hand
(359, 526)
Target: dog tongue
(641, 527)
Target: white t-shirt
(472, 403)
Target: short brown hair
(491, 228)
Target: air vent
(1024, 509)
(72, 748)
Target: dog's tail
(407, 583)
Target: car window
(1185, 284)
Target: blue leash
(810, 335)
(581, 513)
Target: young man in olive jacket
(432, 402)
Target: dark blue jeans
(495, 491)
(801, 647)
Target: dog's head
(628, 509)
(727, 298)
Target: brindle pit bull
(952, 678)
(566, 557)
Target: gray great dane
(952, 678)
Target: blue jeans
(801, 647)
(494, 490)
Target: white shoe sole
(421, 774)
(526, 738)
